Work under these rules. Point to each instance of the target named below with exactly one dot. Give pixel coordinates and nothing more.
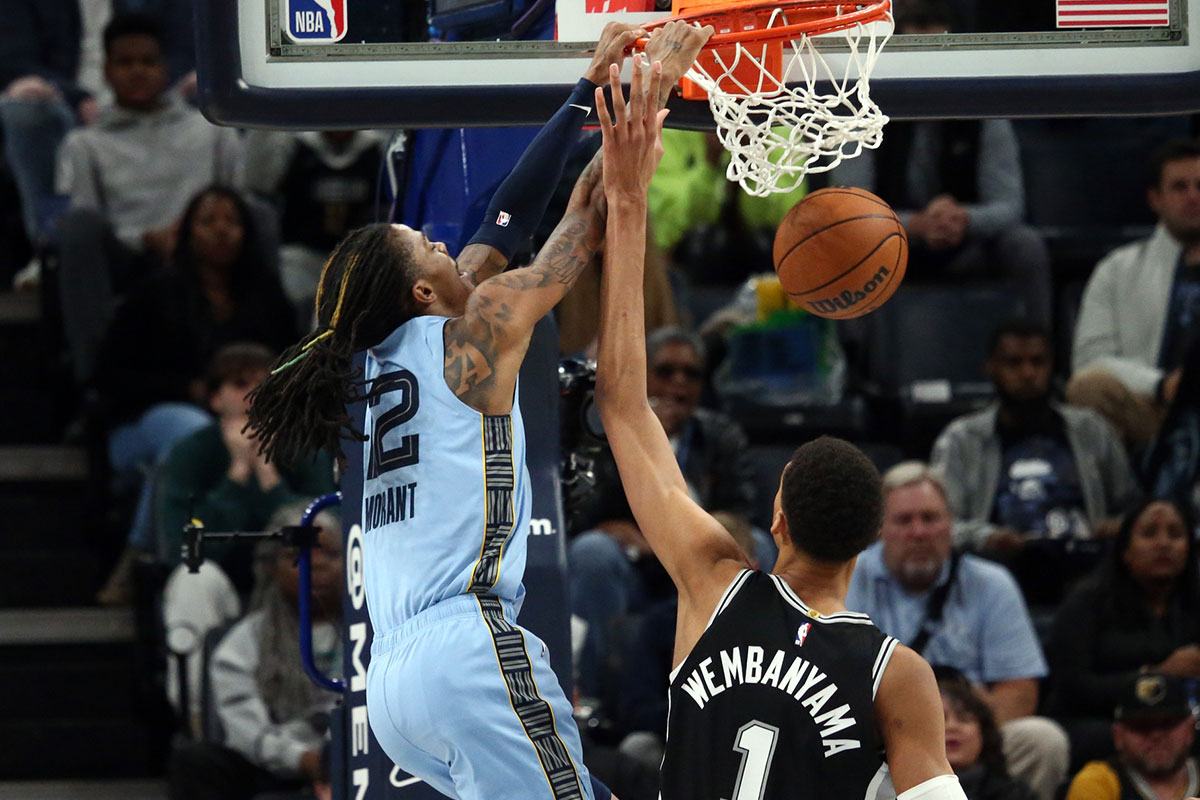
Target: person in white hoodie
(1141, 310)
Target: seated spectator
(42, 97)
(960, 611)
(1140, 611)
(1033, 483)
(647, 662)
(1153, 729)
(717, 233)
(958, 189)
(273, 720)
(324, 185)
(150, 372)
(129, 177)
(973, 744)
(216, 475)
(1137, 320)
(610, 565)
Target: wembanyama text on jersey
(776, 701)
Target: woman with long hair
(150, 375)
(1139, 611)
(974, 746)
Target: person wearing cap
(1153, 728)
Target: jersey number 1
(407, 452)
(756, 742)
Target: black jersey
(776, 701)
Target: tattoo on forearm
(561, 260)
(472, 344)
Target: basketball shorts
(465, 699)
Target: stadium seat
(925, 354)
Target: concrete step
(79, 748)
(42, 462)
(47, 626)
(84, 790)
(46, 577)
(20, 308)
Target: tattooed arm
(486, 345)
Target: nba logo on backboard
(315, 21)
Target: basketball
(840, 252)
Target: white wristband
(943, 787)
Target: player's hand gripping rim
(632, 134)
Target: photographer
(612, 571)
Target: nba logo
(502, 219)
(315, 21)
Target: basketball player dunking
(778, 691)
(458, 694)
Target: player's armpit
(908, 708)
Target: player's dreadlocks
(365, 293)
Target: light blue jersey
(458, 694)
(446, 499)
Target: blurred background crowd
(1032, 395)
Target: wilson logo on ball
(848, 299)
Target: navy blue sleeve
(520, 201)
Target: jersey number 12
(407, 452)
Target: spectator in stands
(272, 719)
(217, 476)
(42, 96)
(610, 564)
(324, 184)
(957, 187)
(973, 743)
(960, 611)
(1138, 318)
(1153, 729)
(1140, 611)
(129, 177)
(1031, 481)
(150, 375)
(647, 660)
(716, 232)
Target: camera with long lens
(586, 457)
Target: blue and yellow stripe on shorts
(499, 480)
(535, 714)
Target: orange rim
(819, 18)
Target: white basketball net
(777, 133)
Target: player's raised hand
(632, 134)
(615, 41)
(676, 45)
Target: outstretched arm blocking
(520, 202)
(696, 551)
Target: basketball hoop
(782, 118)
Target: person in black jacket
(611, 569)
(150, 372)
(1140, 611)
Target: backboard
(292, 63)
(297, 64)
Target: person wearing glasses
(612, 571)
